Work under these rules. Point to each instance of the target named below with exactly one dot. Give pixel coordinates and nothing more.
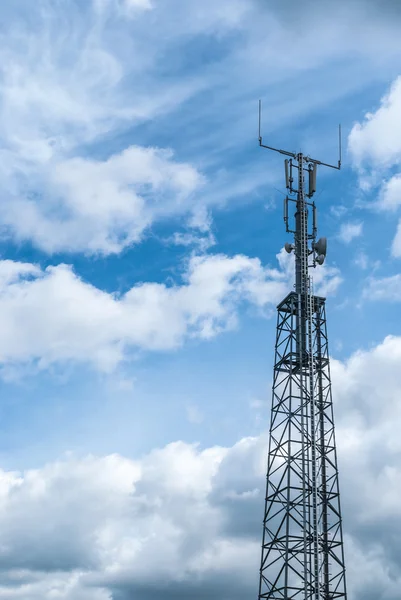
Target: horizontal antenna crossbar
(293, 154)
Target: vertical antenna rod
(302, 545)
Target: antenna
(312, 179)
(302, 542)
(302, 234)
(293, 154)
(287, 175)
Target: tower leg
(302, 547)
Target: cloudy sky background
(141, 263)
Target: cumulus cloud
(114, 517)
(72, 320)
(376, 151)
(368, 412)
(103, 521)
(377, 139)
(389, 196)
(67, 319)
(375, 148)
(103, 206)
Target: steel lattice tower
(302, 547)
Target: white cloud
(338, 210)
(386, 289)
(377, 140)
(102, 520)
(390, 194)
(396, 245)
(200, 219)
(350, 231)
(124, 7)
(68, 319)
(66, 83)
(376, 151)
(194, 414)
(103, 206)
(200, 233)
(362, 261)
(68, 91)
(53, 105)
(367, 395)
(201, 242)
(20, 584)
(52, 315)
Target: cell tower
(302, 546)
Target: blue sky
(141, 263)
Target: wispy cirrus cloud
(384, 289)
(53, 104)
(67, 87)
(126, 8)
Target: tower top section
(306, 159)
(304, 232)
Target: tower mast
(302, 545)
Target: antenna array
(302, 545)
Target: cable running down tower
(302, 544)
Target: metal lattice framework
(302, 547)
